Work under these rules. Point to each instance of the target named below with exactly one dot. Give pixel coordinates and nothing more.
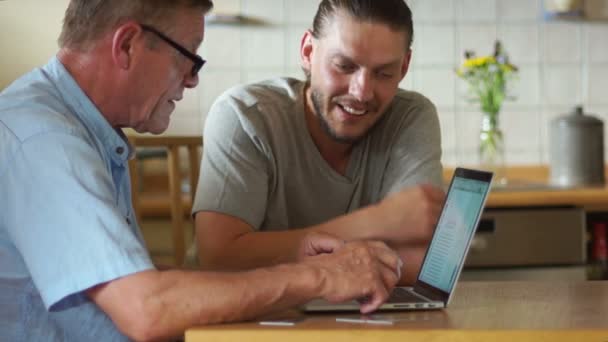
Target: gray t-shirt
(261, 165)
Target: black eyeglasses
(197, 60)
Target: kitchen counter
(528, 186)
(592, 199)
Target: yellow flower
(478, 61)
(487, 77)
(507, 68)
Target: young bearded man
(346, 152)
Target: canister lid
(578, 118)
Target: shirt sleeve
(234, 173)
(415, 154)
(60, 209)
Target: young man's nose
(361, 86)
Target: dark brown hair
(394, 13)
(86, 21)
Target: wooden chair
(172, 145)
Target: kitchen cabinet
(533, 230)
(529, 243)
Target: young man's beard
(317, 103)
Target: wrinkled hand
(410, 214)
(315, 243)
(361, 269)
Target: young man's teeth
(353, 111)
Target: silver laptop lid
(454, 231)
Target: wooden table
(480, 311)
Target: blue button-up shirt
(66, 219)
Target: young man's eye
(385, 74)
(344, 67)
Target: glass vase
(492, 148)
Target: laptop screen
(454, 231)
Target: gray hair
(86, 21)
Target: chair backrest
(176, 202)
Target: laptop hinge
(430, 292)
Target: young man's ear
(306, 50)
(123, 47)
(406, 63)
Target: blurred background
(562, 63)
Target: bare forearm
(251, 250)
(361, 224)
(258, 249)
(227, 297)
(164, 304)
(412, 256)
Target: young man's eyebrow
(387, 65)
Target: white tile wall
(562, 42)
(598, 85)
(597, 42)
(441, 52)
(222, 47)
(562, 64)
(269, 11)
(433, 11)
(562, 84)
(437, 84)
(476, 10)
(264, 48)
(301, 11)
(294, 38)
(518, 10)
(251, 76)
(448, 138)
(522, 42)
(522, 141)
(478, 37)
(525, 87)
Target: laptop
(447, 250)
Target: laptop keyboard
(401, 295)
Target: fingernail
(399, 266)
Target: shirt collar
(113, 139)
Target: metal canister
(577, 150)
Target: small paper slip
(372, 319)
(281, 322)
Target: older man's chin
(153, 127)
(156, 124)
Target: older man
(73, 265)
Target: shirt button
(128, 221)
(120, 150)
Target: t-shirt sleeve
(61, 213)
(234, 173)
(415, 156)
